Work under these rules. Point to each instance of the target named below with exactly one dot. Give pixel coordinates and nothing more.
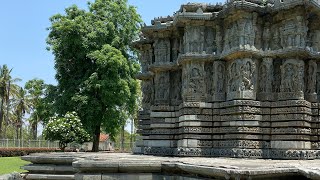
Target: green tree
(66, 129)
(8, 89)
(35, 92)
(96, 65)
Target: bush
(66, 129)
(11, 152)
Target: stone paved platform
(111, 165)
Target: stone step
(49, 168)
(50, 176)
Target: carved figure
(176, 86)
(292, 76)
(220, 79)
(147, 89)
(162, 51)
(163, 90)
(311, 80)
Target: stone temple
(240, 79)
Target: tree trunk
(21, 129)
(8, 108)
(1, 117)
(96, 138)
(132, 129)
(122, 139)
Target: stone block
(163, 114)
(240, 123)
(83, 176)
(290, 145)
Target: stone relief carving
(146, 58)
(148, 93)
(194, 85)
(209, 78)
(311, 78)
(162, 87)
(176, 85)
(276, 39)
(241, 73)
(162, 51)
(294, 33)
(292, 74)
(266, 76)
(175, 49)
(210, 43)
(266, 37)
(194, 39)
(315, 40)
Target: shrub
(67, 129)
(10, 152)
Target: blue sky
(23, 31)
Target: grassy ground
(11, 164)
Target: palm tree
(22, 106)
(35, 89)
(8, 89)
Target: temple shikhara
(240, 79)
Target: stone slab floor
(111, 165)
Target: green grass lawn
(11, 164)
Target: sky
(23, 32)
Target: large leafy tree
(96, 65)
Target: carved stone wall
(239, 80)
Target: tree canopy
(96, 64)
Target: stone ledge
(204, 167)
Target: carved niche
(219, 39)
(265, 79)
(209, 80)
(194, 87)
(162, 87)
(315, 40)
(219, 81)
(176, 87)
(210, 42)
(311, 81)
(175, 49)
(146, 57)
(266, 36)
(241, 33)
(292, 80)
(148, 94)
(194, 39)
(275, 43)
(162, 51)
(294, 32)
(241, 79)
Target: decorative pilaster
(265, 80)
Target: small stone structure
(240, 79)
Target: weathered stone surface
(245, 70)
